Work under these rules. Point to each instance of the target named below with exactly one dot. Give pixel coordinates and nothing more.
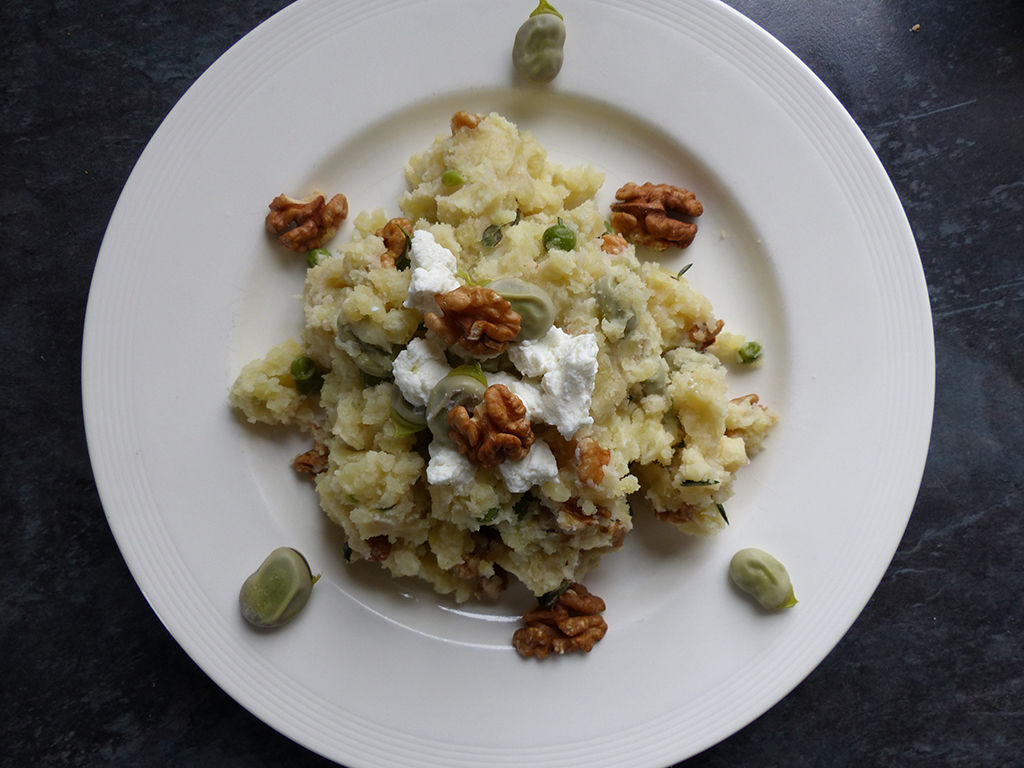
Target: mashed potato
(627, 408)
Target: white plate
(804, 245)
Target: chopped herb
(682, 271)
(749, 352)
(317, 257)
(463, 275)
(721, 511)
(351, 499)
(692, 483)
(550, 598)
(522, 507)
(346, 552)
(608, 228)
(371, 381)
(490, 516)
(385, 509)
(491, 236)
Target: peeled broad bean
(464, 386)
(762, 577)
(537, 51)
(275, 593)
(531, 302)
(607, 291)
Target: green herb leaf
(491, 236)
(682, 271)
(550, 598)
(721, 511)
(695, 483)
(490, 516)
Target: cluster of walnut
(497, 430)
(573, 622)
(653, 214)
(305, 225)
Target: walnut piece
(704, 335)
(380, 548)
(572, 623)
(305, 225)
(476, 317)
(313, 462)
(591, 459)
(497, 430)
(613, 243)
(464, 119)
(396, 234)
(650, 214)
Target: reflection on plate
(195, 499)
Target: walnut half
(572, 623)
(651, 214)
(305, 225)
(476, 317)
(497, 430)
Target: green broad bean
(464, 386)
(657, 382)
(762, 577)
(407, 419)
(559, 236)
(370, 357)
(531, 302)
(275, 593)
(606, 291)
(538, 49)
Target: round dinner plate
(804, 246)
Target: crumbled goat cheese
(538, 466)
(418, 368)
(567, 367)
(447, 466)
(433, 271)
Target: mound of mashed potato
(625, 395)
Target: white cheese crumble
(433, 271)
(538, 466)
(567, 367)
(447, 466)
(418, 368)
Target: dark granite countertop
(931, 674)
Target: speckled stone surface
(931, 674)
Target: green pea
(762, 577)
(537, 51)
(317, 256)
(464, 386)
(275, 593)
(749, 352)
(531, 302)
(306, 374)
(451, 178)
(559, 236)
